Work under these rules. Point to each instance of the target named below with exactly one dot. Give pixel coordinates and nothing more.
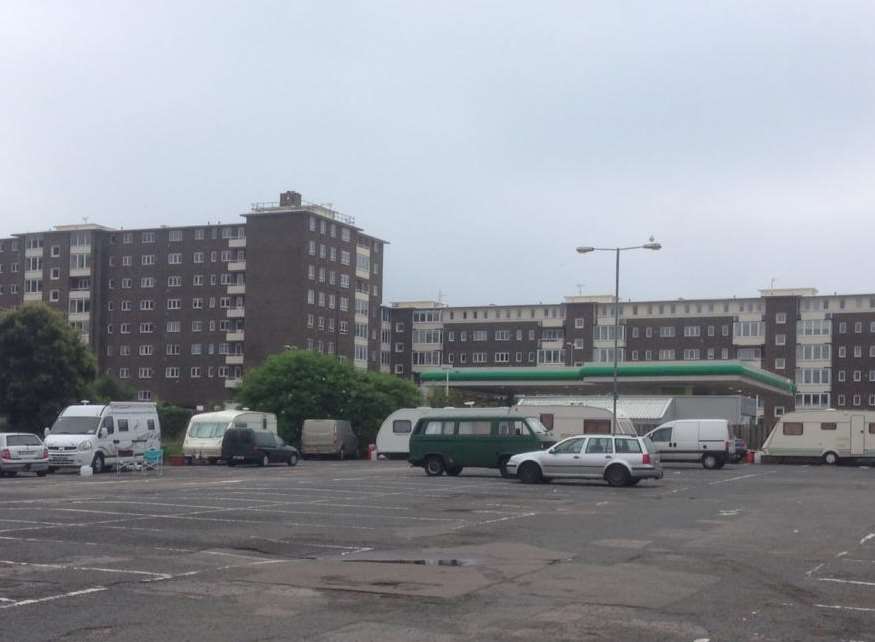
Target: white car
(22, 452)
(620, 460)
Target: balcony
(237, 266)
(33, 251)
(553, 323)
(32, 275)
(237, 242)
(232, 337)
(80, 294)
(80, 271)
(82, 317)
(236, 313)
(236, 289)
(234, 360)
(233, 383)
(30, 297)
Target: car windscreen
(537, 427)
(23, 440)
(207, 429)
(75, 426)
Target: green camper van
(447, 442)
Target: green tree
(43, 366)
(300, 385)
(173, 420)
(106, 388)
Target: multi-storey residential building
(826, 343)
(180, 312)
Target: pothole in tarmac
(428, 562)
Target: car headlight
(86, 445)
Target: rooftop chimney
(290, 199)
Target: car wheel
(617, 475)
(434, 466)
(97, 465)
(293, 459)
(709, 461)
(502, 467)
(264, 461)
(454, 471)
(830, 459)
(529, 473)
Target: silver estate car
(620, 460)
(22, 452)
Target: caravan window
(150, 424)
(122, 425)
(547, 420)
(872, 429)
(828, 426)
(401, 426)
(793, 428)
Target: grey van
(328, 437)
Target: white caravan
(567, 417)
(830, 435)
(563, 417)
(203, 437)
(101, 435)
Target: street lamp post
(584, 249)
(446, 367)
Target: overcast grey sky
(484, 140)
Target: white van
(830, 435)
(333, 437)
(100, 435)
(570, 417)
(203, 437)
(694, 440)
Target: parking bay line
(841, 581)
(73, 567)
(50, 598)
(845, 608)
(730, 479)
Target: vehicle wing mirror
(101, 434)
(47, 431)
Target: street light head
(652, 246)
(585, 249)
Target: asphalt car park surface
(343, 551)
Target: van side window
(242, 424)
(401, 426)
(828, 426)
(150, 424)
(547, 420)
(439, 428)
(793, 428)
(122, 425)
(872, 429)
(107, 423)
(512, 428)
(264, 423)
(475, 428)
(663, 434)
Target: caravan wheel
(830, 459)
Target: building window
(858, 375)
(780, 363)
(842, 376)
(843, 327)
(579, 322)
(857, 400)
(840, 400)
(781, 317)
(780, 339)
(779, 412)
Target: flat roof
(724, 372)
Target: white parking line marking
(730, 479)
(867, 538)
(61, 596)
(841, 581)
(814, 570)
(72, 567)
(845, 608)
